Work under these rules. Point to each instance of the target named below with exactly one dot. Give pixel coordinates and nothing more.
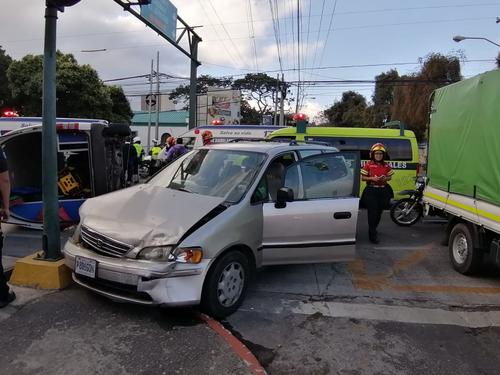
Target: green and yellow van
(401, 145)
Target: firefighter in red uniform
(377, 195)
(207, 137)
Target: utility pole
(193, 108)
(276, 100)
(149, 105)
(282, 103)
(158, 97)
(298, 56)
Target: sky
(307, 40)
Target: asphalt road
(399, 308)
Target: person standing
(170, 142)
(377, 195)
(154, 164)
(6, 295)
(207, 137)
(136, 143)
(175, 151)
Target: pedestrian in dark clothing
(129, 161)
(376, 197)
(175, 151)
(6, 296)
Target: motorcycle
(407, 211)
(145, 167)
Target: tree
(498, 60)
(5, 94)
(79, 91)
(348, 112)
(203, 83)
(262, 90)
(383, 96)
(411, 98)
(121, 111)
(249, 115)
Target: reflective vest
(155, 151)
(138, 149)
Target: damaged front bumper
(139, 281)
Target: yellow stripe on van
(465, 207)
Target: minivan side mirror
(284, 195)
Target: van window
(272, 180)
(398, 149)
(323, 176)
(306, 153)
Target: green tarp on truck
(464, 138)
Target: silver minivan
(197, 231)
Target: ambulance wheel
(464, 257)
(121, 130)
(226, 285)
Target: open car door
(319, 224)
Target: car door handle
(342, 215)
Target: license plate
(85, 267)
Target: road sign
(162, 14)
(150, 98)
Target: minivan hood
(146, 215)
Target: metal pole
(282, 102)
(149, 105)
(193, 109)
(51, 230)
(158, 98)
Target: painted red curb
(238, 347)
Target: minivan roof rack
(296, 143)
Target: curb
(238, 347)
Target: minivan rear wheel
(226, 285)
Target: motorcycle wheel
(406, 212)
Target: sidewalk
(20, 242)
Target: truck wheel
(464, 257)
(226, 285)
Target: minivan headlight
(155, 253)
(192, 255)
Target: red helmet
(378, 147)
(206, 136)
(170, 141)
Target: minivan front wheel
(226, 285)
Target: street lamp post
(459, 38)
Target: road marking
(402, 314)
(238, 347)
(382, 281)
(446, 289)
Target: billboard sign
(224, 105)
(162, 14)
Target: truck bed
(473, 210)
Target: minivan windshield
(217, 173)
